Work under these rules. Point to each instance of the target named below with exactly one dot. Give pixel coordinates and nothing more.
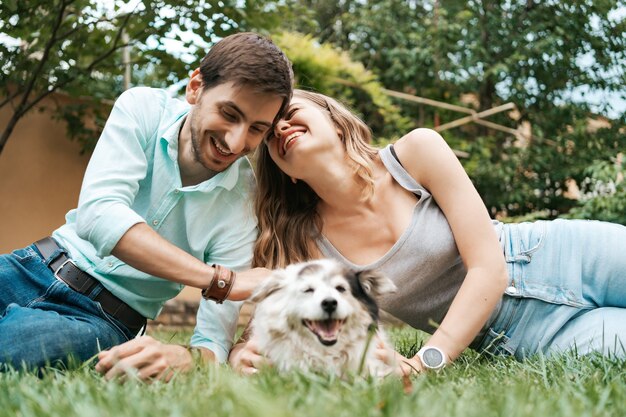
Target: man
(164, 203)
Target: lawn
(474, 386)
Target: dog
(319, 316)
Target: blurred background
(530, 94)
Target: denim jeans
(567, 290)
(43, 321)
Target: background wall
(41, 172)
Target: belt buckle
(56, 273)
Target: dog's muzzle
(329, 305)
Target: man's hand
(144, 358)
(246, 283)
(246, 359)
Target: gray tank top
(424, 263)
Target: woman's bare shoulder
(421, 148)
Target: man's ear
(269, 286)
(194, 87)
(375, 284)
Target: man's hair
(251, 60)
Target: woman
(411, 211)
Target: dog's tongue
(326, 330)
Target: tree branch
(87, 69)
(9, 98)
(44, 57)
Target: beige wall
(41, 171)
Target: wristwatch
(432, 358)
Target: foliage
(604, 192)
(75, 46)
(474, 386)
(531, 53)
(524, 179)
(322, 68)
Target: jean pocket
(25, 254)
(113, 322)
(496, 343)
(523, 240)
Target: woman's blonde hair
(289, 223)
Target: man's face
(225, 123)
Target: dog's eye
(309, 290)
(340, 288)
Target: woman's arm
(427, 157)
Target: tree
(531, 52)
(75, 46)
(328, 70)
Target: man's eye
(229, 116)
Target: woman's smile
(288, 139)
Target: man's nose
(236, 139)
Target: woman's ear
(194, 87)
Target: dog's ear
(269, 286)
(375, 283)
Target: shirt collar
(226, 179)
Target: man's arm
(143, 249)
(216, 324)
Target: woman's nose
(281, 127)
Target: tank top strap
(394, 166)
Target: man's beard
(196, 150)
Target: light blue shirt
(133, 177)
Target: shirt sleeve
(216, 324)
(117, 166)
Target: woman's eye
(340, 288)
(290, 113)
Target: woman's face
(305, 132)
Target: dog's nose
(329, 305)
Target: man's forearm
(143, 249)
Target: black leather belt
(78, 280)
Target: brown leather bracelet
(221, 284)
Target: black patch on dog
(360, 294)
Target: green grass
(474, 386)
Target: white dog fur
(317, 316)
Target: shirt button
(110, 264)
(511, 290)
(155, 222)
(176, 191)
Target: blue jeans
(43, 321)
(567, 290)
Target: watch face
(432, 357)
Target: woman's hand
(246, 359)
(400, 365)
